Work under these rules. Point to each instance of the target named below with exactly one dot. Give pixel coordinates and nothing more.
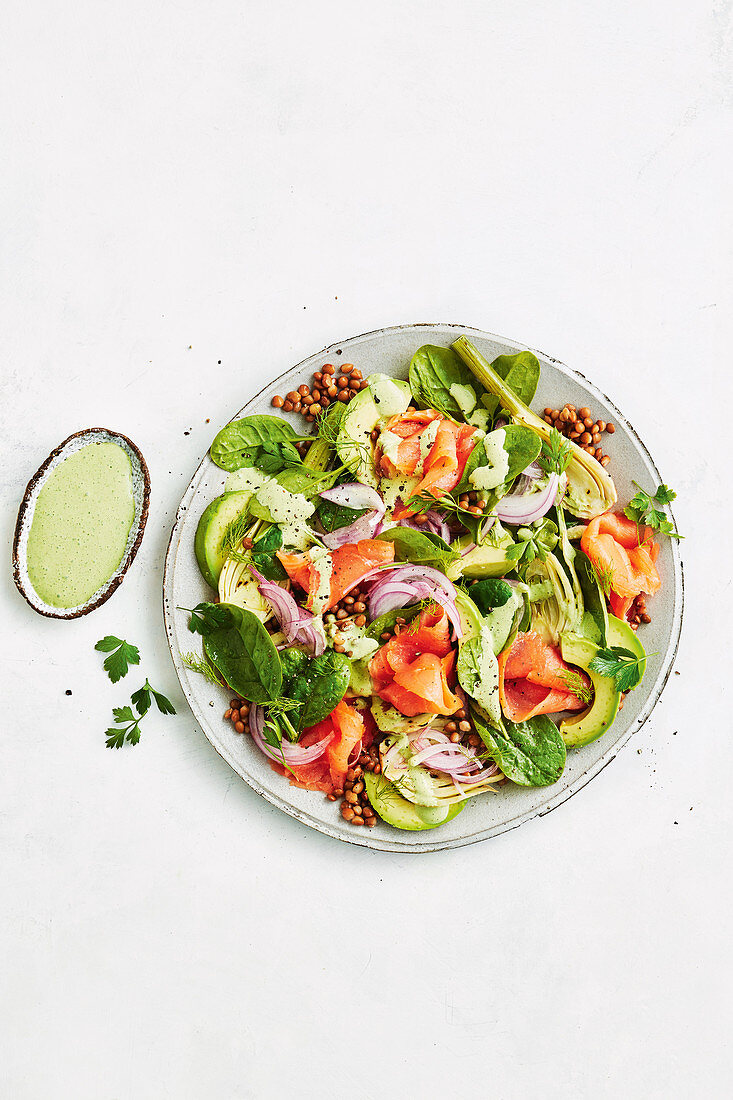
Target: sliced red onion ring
(291, 754)
(298, 625)
(354, 495)
(434, 523)
(357, 496)
(520, 509)
(365, 527)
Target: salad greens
(459, 615)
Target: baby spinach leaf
(420, 547)
(531, 753)
(318, 684)
(522, 447)
(239, 444)
(489, 593)
(263, 554)
(521, 372)
(239, 646)
(433, 370)
(478, 674)
(388, 621)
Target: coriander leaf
(123, 714)
(121, 655)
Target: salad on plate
(429, 593)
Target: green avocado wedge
(213, 526)
(382, 397)
(398, 812)
(592, 723)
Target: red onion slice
(365, 527)
(520, 509)
(291, 754)
(355, 495)
(434, 523)
(298, 625)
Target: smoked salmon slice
(627, 552)
(532, 679)
(412, 670)
(328, 772)
(445, 461)
(349, 563)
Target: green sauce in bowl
(81, 524)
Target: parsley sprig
(121, 655)
(127, 728)
(621, 665)
(646, 509)
(555, 454)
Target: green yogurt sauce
(82, 518)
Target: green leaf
(555, 454)
(123, 714)
(433, 370)
(490, 592)
(115, 738)
(121, 655)
(141, 699)
(420, 547)
(240, 647)
(163, 703)
(521, 372)
(263, 554)
(238, 444)
(318, 684)
(621, 665)
(641, 509)
(531, 753)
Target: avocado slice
(482, 561)
(592, 723)
(213, 525)
(397, 811)
(383, 396)
(469, 615)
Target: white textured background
(194, 196)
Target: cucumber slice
(210, 532)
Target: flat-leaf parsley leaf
(646, 509)
(621, 665)
(121, 655)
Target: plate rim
(367, 839)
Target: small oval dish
(140, 499)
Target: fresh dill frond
(575, 683)
(204, 667)
(603, 573)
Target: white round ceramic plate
(389, 351)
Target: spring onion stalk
(591, 490)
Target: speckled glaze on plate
(389, 351)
